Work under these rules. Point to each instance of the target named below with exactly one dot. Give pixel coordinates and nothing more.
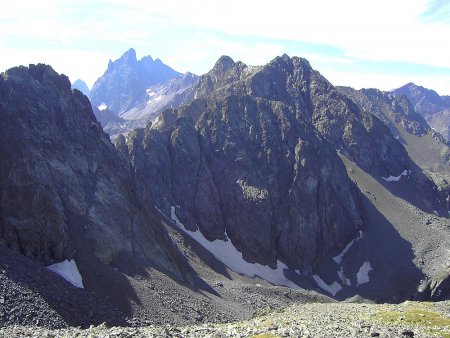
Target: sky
(364, 44)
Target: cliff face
(245, 161)
(65, 190)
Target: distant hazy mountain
(124, 84)
(106, 117)
(170, 95)
(81, 86)
(434, 108)
(440, 122)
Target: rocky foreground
(409, 319)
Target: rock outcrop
(245, 161)
(66, 192)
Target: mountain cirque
(254, 154)
(327, 188)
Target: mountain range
(434, 108)
(217, 189)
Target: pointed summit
(223, 64)
(124, 84)
(129, 57)
(81, 86)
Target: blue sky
(358, 43)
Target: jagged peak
(189, 75)
(127, 58)
(285, 60)
(148, 58)
(409, 86)
(130, 53)
(412, 87)
(223, 64)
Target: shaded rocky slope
(249, 168)
(272, 162)
(124, 83)
(254, 159)
(67, 193)
(427, 148)
(65, 190)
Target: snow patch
(333, 289)
(154, 99)
(363, 274)
(397, 178)
(338, 258)
(343, 278)
(69, 271)
(227, 253)
(103, 106)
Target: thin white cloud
(438, 10)
(379, 31)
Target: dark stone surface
(66, 192)
(244, 160)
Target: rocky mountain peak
(123, 86)
(81, 86)
(422, 98)
(149, 59)
(129, 57)
(223, 64)
(434, 108)
(69, 182)
(42, 74)
(245, 156)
